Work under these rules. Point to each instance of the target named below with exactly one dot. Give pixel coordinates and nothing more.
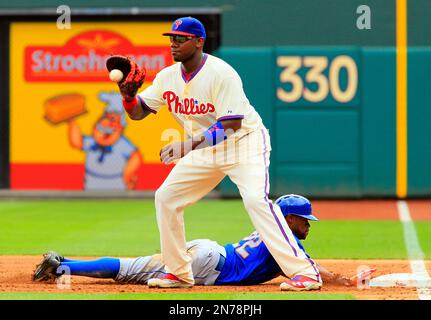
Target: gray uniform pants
(205, 256)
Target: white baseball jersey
(212, 93)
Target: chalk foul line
(414, 251)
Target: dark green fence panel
(317, 153)
(419, 122)
(378, 122)
(339, 139)
(271, 22)
(317, 127)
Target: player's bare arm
(179, 149)
(330, 277)
(138, 112)
(333, 278)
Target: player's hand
(134, 75)
(174, 151)
(336, 279)
(343, 281)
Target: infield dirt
(16, 271)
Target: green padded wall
(328, 148)
(378, 122)
(419, 118)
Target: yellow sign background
(33, 139)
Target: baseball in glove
(134, 75)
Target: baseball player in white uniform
(225, 136)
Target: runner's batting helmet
(297, 205)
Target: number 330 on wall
(316, 71)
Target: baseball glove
(134, 75)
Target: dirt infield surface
(16, 271)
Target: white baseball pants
(246, 162)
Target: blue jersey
(249, 262)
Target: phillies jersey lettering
(249, 262)
(188, 106)
(213, 93)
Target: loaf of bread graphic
(64, 107)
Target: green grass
(356, 240)
(174, 296)
(129, 228)
(114, 228)
(423, 230)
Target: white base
(401, 280)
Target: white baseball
(116, 75)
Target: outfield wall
(346, 146)
(326, 89)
